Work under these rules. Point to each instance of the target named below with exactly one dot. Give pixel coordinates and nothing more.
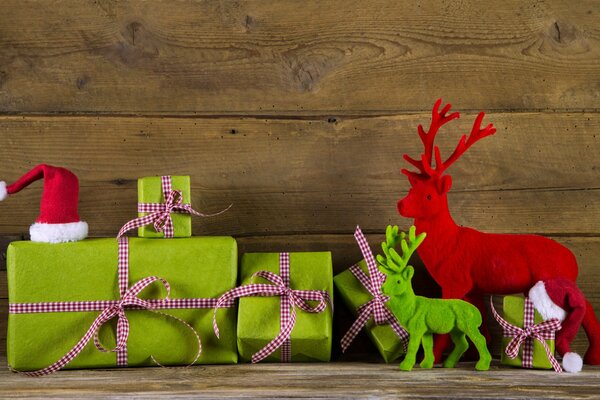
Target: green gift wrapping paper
(354, 295)
(258, 317)
(150, 191)
(512, 307)
(87, 270)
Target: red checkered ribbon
(525, 336)
(290, 299)
(375, 307)
(160, 213)
(116, 308)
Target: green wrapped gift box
(354, 295)
(513, 309)
(198, 267)
(150, 191)
(259, 317)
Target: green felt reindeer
(421, 316)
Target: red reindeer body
(466, 263)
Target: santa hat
(58, 220)
(561, 298)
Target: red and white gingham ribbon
(116, 308)
(290, 299)
(375, 307)
(160, 213)
(524, 336)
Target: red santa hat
(58, 220)
(561, 298)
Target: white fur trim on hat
(572, 362)
(3, 191)
(544, 304)
(58, 233)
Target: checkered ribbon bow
(375, 307)
(116, 308)
(525, 336)
(290, 299)
(160, 214)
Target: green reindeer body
(423, 317)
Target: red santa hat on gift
(58, 220)
(561, 298)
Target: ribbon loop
(374, 308)
(160, 214)
(525, 336)
(290, 300)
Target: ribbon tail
(188, 209)
(75, 350)
(137, 222)
(191, 328)
(360, 321)
(400, 331)
(551, 358)
(276, 343)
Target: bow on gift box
(375, 307)
(290, 299)
(525, 336)
(160, 213)
(116, 308)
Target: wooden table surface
(330, 380)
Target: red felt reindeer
(467, 263)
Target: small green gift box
(150, 191)
(259, 318)
(197, 268)
(513, 308)
(354, 295)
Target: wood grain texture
(538, 174)
(332, 380)
(312, 58)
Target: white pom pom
(572, 362)
(3, 192)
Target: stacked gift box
(162, 298)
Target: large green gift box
(197, 267)
(259, 317)
(150, 191)
(513, 308)
(354, 295)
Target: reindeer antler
(425, 164)
(393, 261)
(437, 120)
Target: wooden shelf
(330, 380)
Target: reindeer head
(429, 186)
(399, 273)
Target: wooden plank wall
(298, 112)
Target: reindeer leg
(484, 354)
(478, 301)
(428, 358)
(441, 342)
(411, 352)
(460, 346)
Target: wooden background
(298, 113)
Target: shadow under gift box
(259, 317)
(197, 267)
